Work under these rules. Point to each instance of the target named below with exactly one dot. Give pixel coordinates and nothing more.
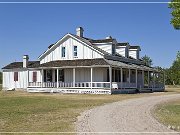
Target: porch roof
(77, 63)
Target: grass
(169, 114)
(0, 87)
(22, 111)
(37, 112)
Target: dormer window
(75, 51)
(63, 51)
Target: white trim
(57, 78)
(91, 77)
(74, 77)
(61, 40)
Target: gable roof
(13, 65)
(135, 47)
(123, 44)
(101, 40)
(81, 39)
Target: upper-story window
(75, 51)
(63, 51)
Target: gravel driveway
(131, 116)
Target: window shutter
(15, 76)
(34, 76)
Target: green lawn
(37, 112)
(169, 114)
(21, 111)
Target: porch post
(27, 78)
(121, 78)
(110, 77)
(153, 79)
(91, 77)
(42, 77)
(57, 78)
(148, 78)
(136, 78)
(129, 76)
(143, 78)
(74, 76)
(114, 75)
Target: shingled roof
(123, 44)
(134, 47)
(87, 41)
(78, 62)
(58, 63)
(31, 64)
(101, 40)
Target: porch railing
(69, 84)
(115, 85)
(118, 85)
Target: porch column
(53, 75)
(143, 78)
(153, 79)
(136, 79)
(57, 78)
(28, 78)
(129, 76)
(114, 78)
(91, 77)
(110, 77)
(121, 77)
(42, 77)
(74, 76)
(148, 78)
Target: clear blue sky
(31, 28)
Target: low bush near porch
(169, 114)
(36, 112)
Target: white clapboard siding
(9, 83)
(39, 75)
(121, 51)
(83, 51)
(134, 54)
(105, 46)
(84, 75)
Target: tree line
(0, 77)
(172, 74)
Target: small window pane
(63, 52)
(75, 51)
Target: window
(15, 76)
(34, 76)
(75, 51)
(63, 52)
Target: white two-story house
(77, 64)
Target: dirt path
(133, 115)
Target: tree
(0, 77)
(175, 6)
(175, 70)
(147, 60)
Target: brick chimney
(79, 31)
(25, 61)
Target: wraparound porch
(98, 78)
